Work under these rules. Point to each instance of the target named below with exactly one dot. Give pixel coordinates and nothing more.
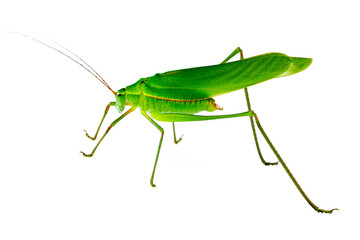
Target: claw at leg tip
(328, 211)
(85, 155)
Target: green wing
(210, 81)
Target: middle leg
(176, 141)
(159, 147)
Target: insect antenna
(79, 60)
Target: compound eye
(120, 92)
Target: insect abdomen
(171, 106)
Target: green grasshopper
(177, 96)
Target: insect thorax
(136, 97)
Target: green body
(190, 91)
(177, 96)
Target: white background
(212, 185)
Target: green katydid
(177, 96)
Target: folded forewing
(210, 81)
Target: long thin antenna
(81, 62)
